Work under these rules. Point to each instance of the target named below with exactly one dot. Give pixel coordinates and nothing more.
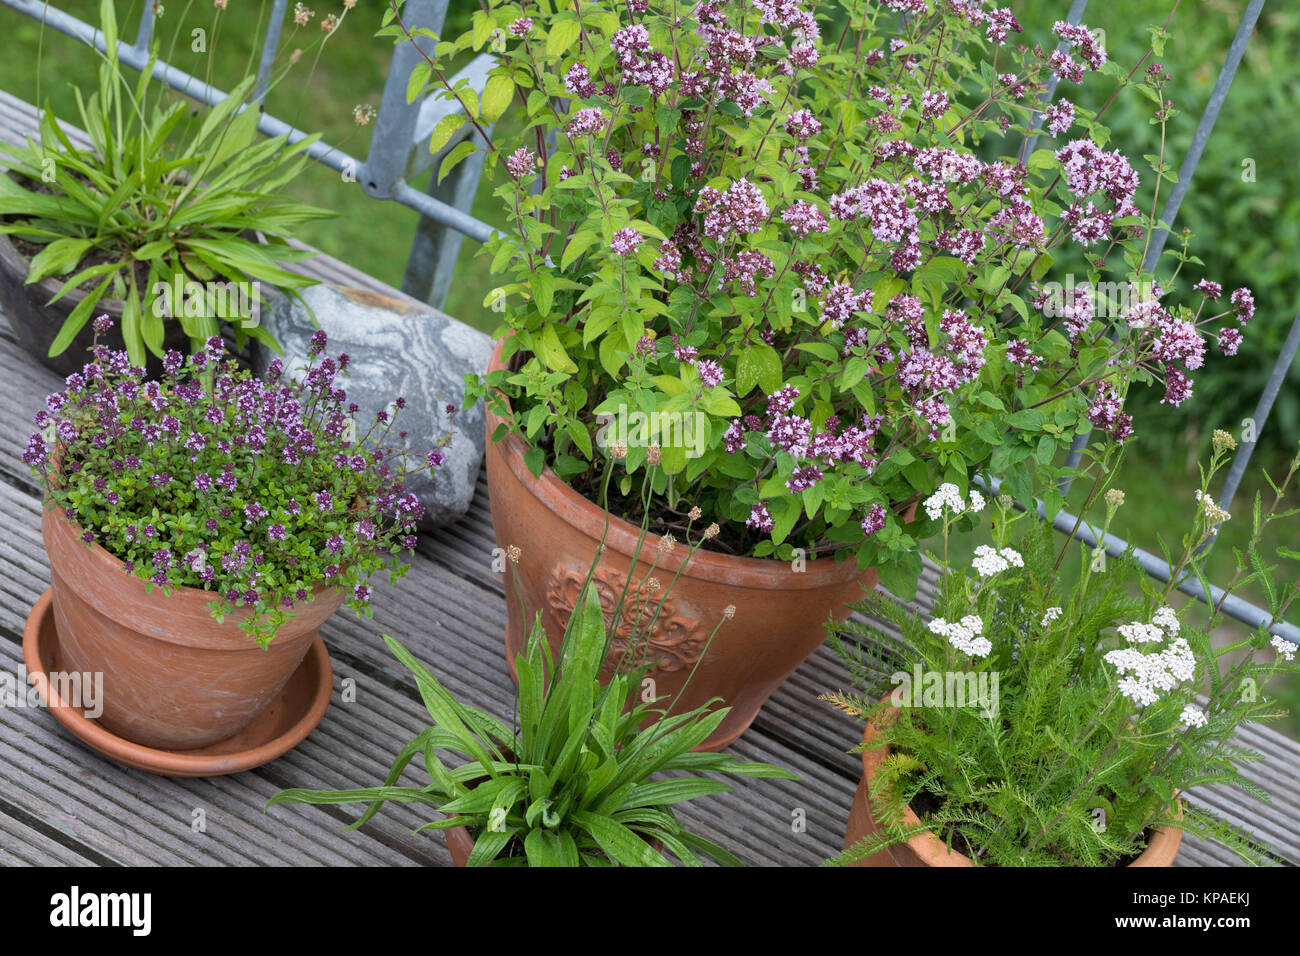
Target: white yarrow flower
(964, 635)
(1212, 511)
(976, 501)
(946, 497)
(1052, 614)
(988, 562)
(1139, 633)
(1284, 647)
(1167, 620)
(1193, 716)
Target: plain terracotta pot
(779, 618)
(174, 678)
(926, 849)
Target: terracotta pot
(779, 616)
(926, 849)
(174, 678)
(460, 845)
(35, 325)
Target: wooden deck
(61, 803)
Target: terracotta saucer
(285, 723)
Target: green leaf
(497, 94)
(552, 353)
(462, 150)
(561, 36)
(543, 286)
(619, 843)
(58, 258)
(579, 244)
(551, 848)
(758, 365)
(443, 132)
(77, 319)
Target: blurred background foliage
(1243, 207)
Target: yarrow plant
(789, 237)
(1101, 702)
(259, 491)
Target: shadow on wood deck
(63, 804)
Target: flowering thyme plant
(258, 491)
(784, 245)
(1042, 722)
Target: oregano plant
(765, 244)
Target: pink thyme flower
(626, 241)
(1210, 289)
(760, 518)
(578, 81)
(1059, 117)
(1229, 341)
(1082, 39)
(874, 521)
(741, 209)
(802, 125)
(1244, 302)
(587, 122)
(803, 217)
(521, 163)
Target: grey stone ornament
(396, 348)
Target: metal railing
(1069, 524)
(399, 154)
(399, 148)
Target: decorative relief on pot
(675, 643)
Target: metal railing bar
(395, 124)
(269, 125)
(1235, 607)
(1170, 211)
(1075, 15)
(145, 32)
(1262, 409)
(269, 45)
(438, 210)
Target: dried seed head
(729, 611)
(667, 543)
(694, 514)
(654, 455)
(618, 450)
(513, 553)
(652, 585)
(711, 531)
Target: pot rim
(587, 517)
(934, 852)
(19, 264)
